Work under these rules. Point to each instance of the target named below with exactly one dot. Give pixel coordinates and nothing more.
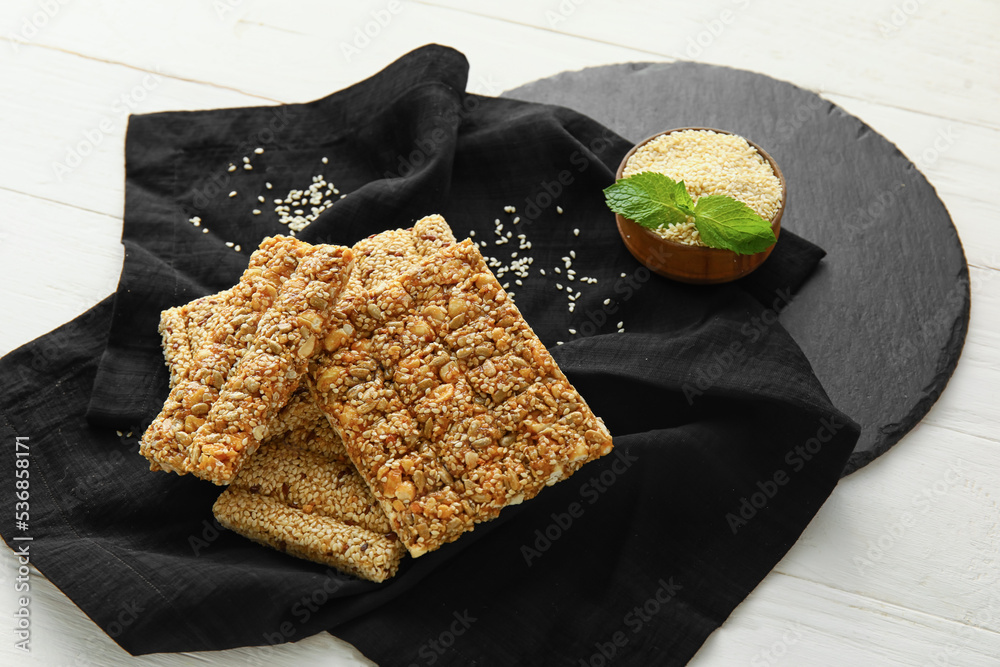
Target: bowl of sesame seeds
(710, 162)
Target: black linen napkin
(726, 444)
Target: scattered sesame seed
(572, 331)
(258, 151)
(623, 275)
(607, 302)
(559, 286)
(232, 167)
(517, 220)
(572, 253)
(559, 342)
(472, 232)
(256, 211)
(233, 193)
(621, 324)
(518, 282)
(482, 244)
(205, 231)
(506, 285)
(570, 277)
(248, 167)
(268, 186)
(559, 210)
(237, 248)
(326, 160)
(542, 271)
(246, 160)
(557, 270)
(229, 244)
(342, 196)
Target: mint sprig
(655, 200)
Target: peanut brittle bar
(203, 341)
(451, 408)
(299, 494)
(288, 334)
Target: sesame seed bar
(312, 536)
(451, 408)
(263, 380)
(203, 341)
(300, 494)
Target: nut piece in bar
(452, 408)
(203, 341)
(288, 334)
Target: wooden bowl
(698, 265)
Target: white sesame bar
(312, 535)
(288, 334)
(453, 409)
(203, 341)
(300, 493)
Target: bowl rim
(775, 219)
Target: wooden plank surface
(900, 567)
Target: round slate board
(884, 318)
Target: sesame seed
(246, 160)
(576, 232)
(559, 342)
(256, 211)
(258, 151)
(237, 248)
(342, 196)
(607, 302)
(233, 193)
(506, 285)
(513, 255)
(557, 270)
(559, 210)
(559, 286)
(472, 232)
(482, 244)
(709, 164)
(268, 186)
(572, 253)
(229, 244)
(248, 167)
(518, 282)
(326, 160)
(621, 324)
(623, 275)
(205, 231)
(572, 331)
(232, 167)
(517, 220)
(542, 271)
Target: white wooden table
(902, 564)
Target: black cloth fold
(725, 442)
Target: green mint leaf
(724, 222)
(650, 199)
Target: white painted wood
(894, 52)
(932, 595)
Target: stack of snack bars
(361, 403)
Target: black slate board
(884, 318)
